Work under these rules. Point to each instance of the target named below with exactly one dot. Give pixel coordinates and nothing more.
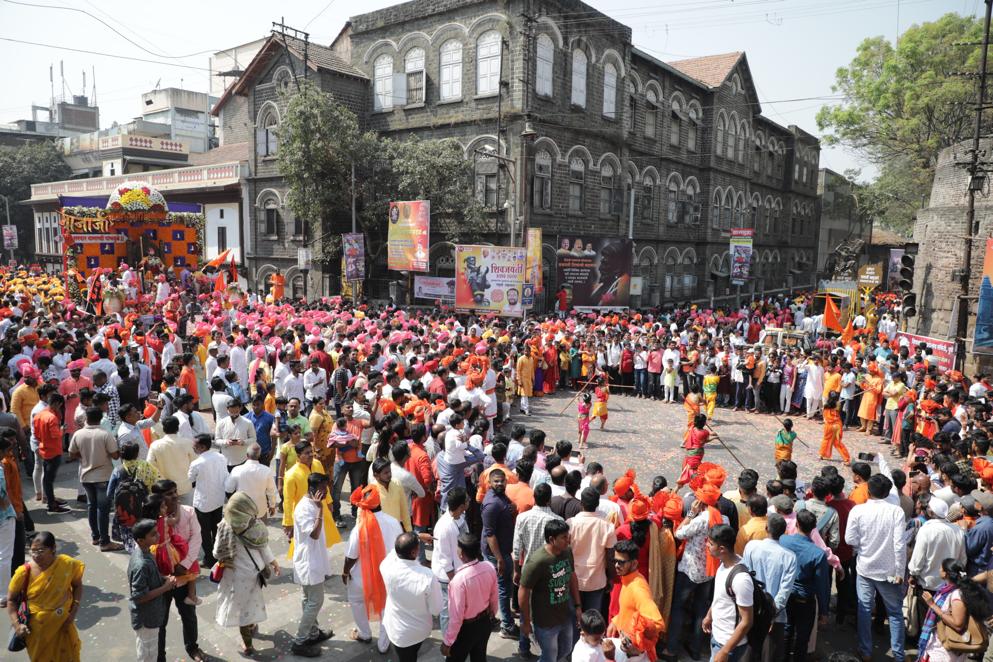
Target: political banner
(435, 288)
(353, 253)
(10, 237)
(871, 275)
(489, 279)
(741, 254)
(943, 350)
(409, 234)
(983, 338)
(596, 271)
(893, 270)
(534, 259)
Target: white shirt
(610, 511)
(413, 599)
(445, 558)
(209, 472)
(389, 527)
(937, 540)
(411, 486)
(239, 363)
(315, 384)
(583, 652)
(291, 387)
(311, 561)
(172, 456)
(254, 479)
(875, 532)
(190, 425)
(455, 446)
(238, 430)
(724, 608)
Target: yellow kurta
(49, 600)
(832, 382)
(294, 489)
(873, 386)
(394, 502)
(525, 375)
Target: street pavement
(640, 434)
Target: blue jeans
(555, 642)
(641, 381)
(892, 595)
(98, 511)
(687, 595)
(505, 584)
(733, 656)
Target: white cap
(939, 507)
(212, 345)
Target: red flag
(219, 282)
(832, 316)
(232, 271)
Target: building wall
(222, 223)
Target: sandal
(354, 636)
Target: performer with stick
(602, 394)
(696, 438)
(833, 430)
(784, 441)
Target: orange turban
(709, 473)
(624, 483)
(709, 494)
(639, 508)
(366, 497)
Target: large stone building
(606, 139)
(841, 219)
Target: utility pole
(977, 177)
(528, 133)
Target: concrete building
(840, 219)
(186, 113)
(61, 118)
(137, 146)
(227, 66)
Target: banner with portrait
(353, 254)
(489, 279)
(983, 337)
(534, 259)
(409, 235)
(435, 288)
(741, 254)
(893, 270)
(596, 271)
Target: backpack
(129, 498)
(763, 607)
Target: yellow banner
(85, 225)
(534, 259)
(409, 233)
(490, 279)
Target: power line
(319, 14)
(109, 27)
(111, 55)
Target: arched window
(738, 213)
(298, 228)
(672, 202)
(610, 91)
(577, 178)
(606, 189)
(768, 219)
(546, 60)
(675, 127)
(651, 113)
(742, 134)
(691, 210)
(648, 199)
(486, 181)
(722, 127)
(269, 218)
(266, 139)
(383, 83)
(776, 224)
(691, 128)
(282, 79)
(451, 70)
(768, 163)
(715, 209)
(726, 210)
(579, 78)
(414, 67)
(732, 139)
(488, 48)
(543, 180)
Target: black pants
(51, 470)
(408, 654)
(208, 532)
(800, 614)
(471, 641)
(847, 602)
(357, 473)
(17, 558)
(188, 614)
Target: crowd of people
(193, 427)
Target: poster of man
(409, 233)
(489, 279)
(596, 271)
(353, 248)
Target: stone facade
(940, 233)
(665, 138)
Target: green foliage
(20, 167)
(902, 107)
(320, 140)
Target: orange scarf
(372, 550)
(709, 494)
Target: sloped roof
(886, 237)
(222, 154)
(711, 70)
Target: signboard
(534, 259)
(983, 338)
(435, 288)
(637, 283)
(9, 237)
(893, 270)
(304, 259)
(944, 350)
(527, 295)
(409, 233)
(871, 275)
(596, 271)
(741, 254)
(353, 253)
(109, 238)
(490, 279)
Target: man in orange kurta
(638, 616)
(872, 387)
(525, 379)
(278, 286)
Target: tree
(902, 106)
(20, 167)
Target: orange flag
(232, 271)
(219, 282)
(219, 260)
(832, 316)
(848, 333)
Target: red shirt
(563, 298)
(843, 508)
(324, 360)
(419, 464)
(47, 430)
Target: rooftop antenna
(94, 85)
(51, 85)
(84, 81)
(62, 75)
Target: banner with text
(983, 338)
(741, 254)
(435, 288)
(893, 270)
(353, 252)
(596, 271)
(534, 259)
(490, 279)
(944, 350)
(409, 234)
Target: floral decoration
(136, 196)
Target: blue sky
(794, 47)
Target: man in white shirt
(234, 434)
(876, 533)
(210, 364)
(207, 474)
(171, 456)
(413, 598)
(445, 558)
(239, 360)
(292, 384)
(315, 381)
(256, 480)
(311, 565)
(132, 425)
(936, 540)
(730, 615)
(191, 423)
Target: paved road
(640, 434)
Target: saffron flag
(848, 333)
(219, 282)
(832, 316)
(232, 271)
(220, 259)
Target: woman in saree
(551, 376)
(54, 587)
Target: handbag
(262, 575)
(16, 643)
(217, 572)
(974, 640)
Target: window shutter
(260, 137)
(260, 215)
(616, 201)
(399, 89)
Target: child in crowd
(669, 381)
(590, 647)
(784, 441)
(148, 610)
(584, 420)
(602, 393)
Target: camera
(867, 457)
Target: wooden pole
(575, 397)
(726, 447)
